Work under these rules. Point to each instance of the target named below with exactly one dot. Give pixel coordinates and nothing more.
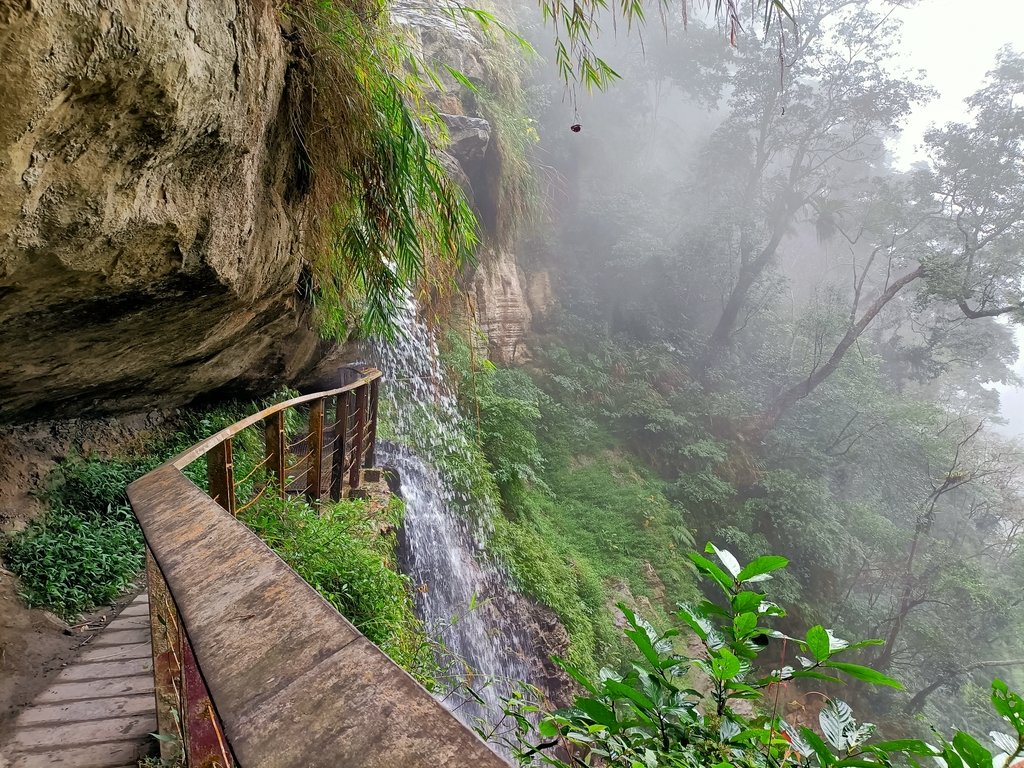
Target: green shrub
(346, 552)
(655, 715)
(86, 550)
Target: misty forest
(696, 343)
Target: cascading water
(461, 596)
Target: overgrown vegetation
(800, 338)
(580, 522)
(346, 552)
(386, 216)
(87, 549)
(653, 715)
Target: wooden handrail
(253, 667)
(189, 455)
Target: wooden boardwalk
(99, 711)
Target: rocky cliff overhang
(150, 205)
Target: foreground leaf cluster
(719, 706)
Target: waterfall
(462, 597)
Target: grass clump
(346, 552)
(87, 550)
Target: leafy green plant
(386, 215)
(503, 407)
(656, 714)
(87, 549)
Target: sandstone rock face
(501, 307)
(497, 285)
(150, 205)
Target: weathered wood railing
(252, 667)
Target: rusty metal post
(275, 442)
(354, 478)
(205, 745)
(164, 627)
(340, 444)
(371, 446)
(220, 473)
(315, 451)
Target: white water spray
(461, 596)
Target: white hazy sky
(955, 43)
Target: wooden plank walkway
(100, 710)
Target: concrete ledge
(294, 683)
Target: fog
(822, 259)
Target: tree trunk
(916, 704)
(750, 272)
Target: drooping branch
(975, 314)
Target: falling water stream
(462, 597)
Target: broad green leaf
(701, 625)
(709, 568)
(707, 608)
(644, 637)
(975, 755)
(863, 644)
(623, 691)
(548, 728)
(1008, 704)
(866, 674)
(825, 756)
(762, 566)
(732, 565)
(812, 673)
(596, 711)
(725, 665)
(743, 602)
(818, 642)
(951, 758)
(744, 624)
